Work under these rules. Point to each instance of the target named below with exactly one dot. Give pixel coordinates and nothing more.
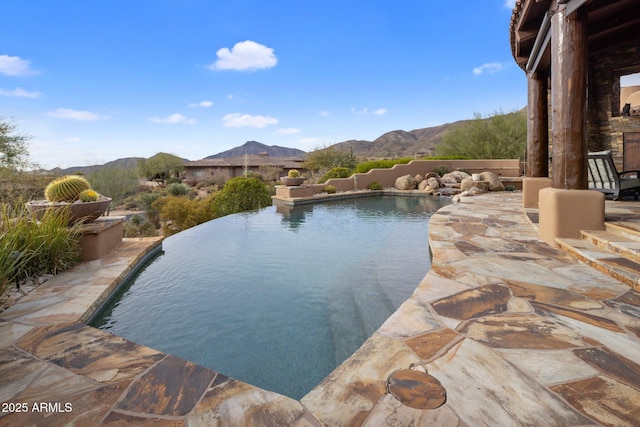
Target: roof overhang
(609, 23)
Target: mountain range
(397, 143)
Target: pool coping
(45, 349)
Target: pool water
(279, 297)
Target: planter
(292, 182)
(79, 211)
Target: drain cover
(416, 389)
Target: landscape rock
(424, 185)
(419, 178)
(473, 191)
(406, 182)
(433, 182)
(454, 177)
(494, 181)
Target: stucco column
(569, 70)
(537, 126)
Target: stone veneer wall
(606, 126)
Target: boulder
(454, 177)
(406, 182)
(433, 182)
(424, 186)
(494, 182)
(419, 178)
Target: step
(617, 242)
(612, 264)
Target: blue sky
(95, 81)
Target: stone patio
(503, 331)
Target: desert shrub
(174, 180)
(116, 182)
(375, 185)
(21, 185)
(381, 164)
(331, 189)
(137, 226)
(442, 170)
(29, 248)
(145, 202)
(180, 213)
(241, 194)
(510, 188)
(500, 136)
(177, 189)
(336, 173)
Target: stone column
(537, 125)
(569, 70)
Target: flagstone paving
(503, 331)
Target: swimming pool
(278, 297)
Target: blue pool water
(278, 297)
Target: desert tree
(499, 136)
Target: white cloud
(360, 112)
(173, 119)
(85, 116)
(490, 67)
(510, 4)
(15, 66)
(287, 131)
(381, 112)
(324, 113)
(238, 120)
(73, 139)
(19, 92)
(245, 56)
(201, 104)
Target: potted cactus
(293, 178)
(71, 192)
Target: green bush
(179, 213)
(441, 170)
(30, 248)
(241, 194)
(500, 136)
(174, 180)
(331, 189)
(145, 202)
(137, 226)
(178, 189)
(116, 182)
(375, 186)
(336, 173)
(381, 164)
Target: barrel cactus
(293, 173)
(66, 189)
(88, 196)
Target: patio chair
(604, 177)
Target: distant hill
(399, 143)
(124, 162)
(254, 147)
